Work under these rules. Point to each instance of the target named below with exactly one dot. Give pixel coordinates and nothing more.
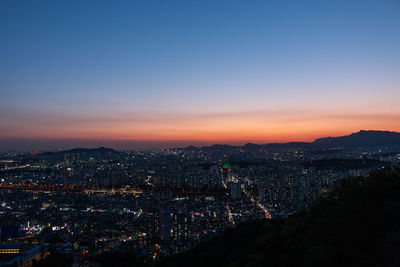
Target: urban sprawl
(84, 202)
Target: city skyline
(199, 133)
(180, 73)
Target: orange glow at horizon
(260, 127)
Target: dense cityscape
(84, 202)
(199, 133)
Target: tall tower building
(165, 224)
(236, 191)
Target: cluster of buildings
(82, 203)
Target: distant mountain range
(81, 153)
(360, 139)
(98, 150)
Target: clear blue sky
(172, 69)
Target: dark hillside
(356, 225)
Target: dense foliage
(53, 260)
(358, 224)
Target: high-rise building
(182, 225)
(261, 195)
(236, 191)
(165, 224)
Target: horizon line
(62, 144)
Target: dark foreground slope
(357, 225)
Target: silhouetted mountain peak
(90, 150)
(99, 150)
(363, 138)
(252, 146)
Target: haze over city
(159, 74)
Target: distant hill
(358, 224)
(276, 145)
(90, 150)
(98, 150)
(361, 139)
(81, 153)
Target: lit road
(68, 188)
(229, 212)
(231, 219)
(254, 200)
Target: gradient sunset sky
(196, 71)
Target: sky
(148, 73)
